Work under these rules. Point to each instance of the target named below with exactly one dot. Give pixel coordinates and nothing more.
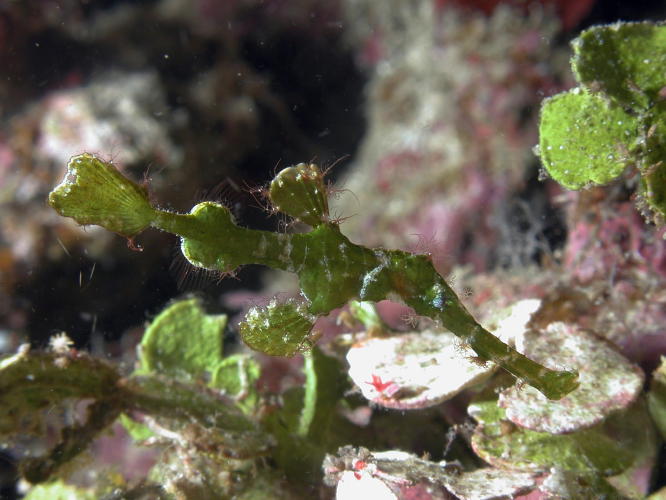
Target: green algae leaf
(627, 61)
(303, 425)
(366, 313)
(58, 490)
(94, 192)
(279, 329)
(237, 376)
(583, 140)
(183, 342)
(136, 430)
(299, 457)
(606, 449)
(617, 117)
(325, 383)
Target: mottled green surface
(201, 405)
(237, 376)
(565, 484)
(277, 329)
(183, 342)
(366, 314)
(605, 449)
(325, 382)
(302, 426)
(94, 192)
(300, 192)
(627, 61)
(616, 118)
(136, 430)
(584, 141)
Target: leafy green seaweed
(302, 426)
(45, 382)
(624, 60)
(594, 134)
(182, 341)
(616, 118)
(584, 457)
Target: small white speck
(60, 343)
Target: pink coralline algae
(453, 143)
(611, 242)
(621, 262)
